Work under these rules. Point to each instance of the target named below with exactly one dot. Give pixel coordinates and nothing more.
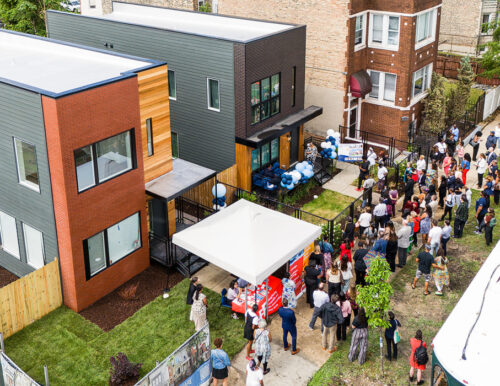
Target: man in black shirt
(311, 276)
(408, 190)
(425, 262)
(359, 264)
(364, 168)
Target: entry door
(353, 122)
(158, 217)
(294, 146)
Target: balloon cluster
(220, 196)
(303, 171)
(330, 145)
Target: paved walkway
(286, 369)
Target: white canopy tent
(466, 346)
(248, 240)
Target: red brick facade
(72, 122)
(391, 121)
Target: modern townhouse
(236, 85)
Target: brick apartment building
(462, 25)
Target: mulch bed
(6, 277)
(113, 309)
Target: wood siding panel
(171, 218)
(244, 164)
(29, 298)
(154, 105)
(203, 192)
(301, 143)
(285, 150)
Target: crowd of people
(434, 209)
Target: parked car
(71, 5)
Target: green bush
(252, 197)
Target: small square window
(27, 167)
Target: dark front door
(294, 146)
(158, 221)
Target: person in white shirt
(255, 375)
(364, 220)
(382, 175)
(320, 297)
(380, 212)
(367, 191)
(481, 168)
(371, 157)
(435, 237)
(421, 164)
(433, 204)
(468, 194)
(441, 146)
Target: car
(71, 5)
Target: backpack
(421, 356)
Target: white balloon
(328, 145)
(221, 190)
(336, 134)
(334, 155)
(329, 132)
(323, 144)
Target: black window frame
(261, 103)
(106, 248)
(133, 150)
(149, 136)
(271, 160)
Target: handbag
(397, 335)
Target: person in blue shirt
(491, 140)
(488, 187)
(220, 363)
(381, 244)
(454, 130)
(465, 167)
(288, 323)
(482, 205)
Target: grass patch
(77, 352)
(328, 204)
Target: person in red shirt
(415, 343)
(415, 219)
(345, 249)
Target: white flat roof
(248, 240)
(197, 23)
(57, 67)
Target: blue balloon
(290, 186)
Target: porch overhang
(361, 84)
(281, 127)
(184, 176)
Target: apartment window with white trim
(486, 19)
(421, 80)
(8, 235)
(213, 94)
(359, 32)
(383, 86)
(384, 31)
(426, 28)
(33, 243)
(27, 166)
(172, 85)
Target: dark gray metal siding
(205, 137)
(21, 116)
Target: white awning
(481, 353)
(248, 240)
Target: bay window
(265, 98)
(383, 86)
(384, 31)
(421, 80)
(426, 28)
(112, 244)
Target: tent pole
(246, 301)
(267, 297)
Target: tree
(457, 103)
(375, 297)
(491, 58)
(26, 15)
(205, 7)
(435, 105)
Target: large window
(426, 28)
(266, 154)
(33, 243)
(8, 234)
(112, 244)
(265, 97)
(359, 31)
(27, 167)
(421, 80)
(175, 145)
(172, 87)
(104, 160)
(213, 94)
(383, 86)
(384, 31)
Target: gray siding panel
(21, 116)
(205, 137)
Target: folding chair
(223, 301)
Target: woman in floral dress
(289, 290)
(441, 276)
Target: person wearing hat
(425, 262)
(491, 140)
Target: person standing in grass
(415, 343)
(392, 346)
(441, 276)
(449, 204)
(199, 308)
(490, 221)
(435, 235)
(359, 338)
(220, 363)
(482, 204)
(403, 236)
(192, 288)
(461, 216)
(446, 235)
(359, 264)
(346, 272)
(425, 262)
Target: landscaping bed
(77, 352)
(328, 204)
(6, 277)
(122, 303)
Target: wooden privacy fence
(29, 298)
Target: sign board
(350, 152)
(297, 265)
(188, 365)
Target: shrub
(252, 197)
(122, 370)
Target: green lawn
(77, 352)
(328, 204)
(475, 93)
